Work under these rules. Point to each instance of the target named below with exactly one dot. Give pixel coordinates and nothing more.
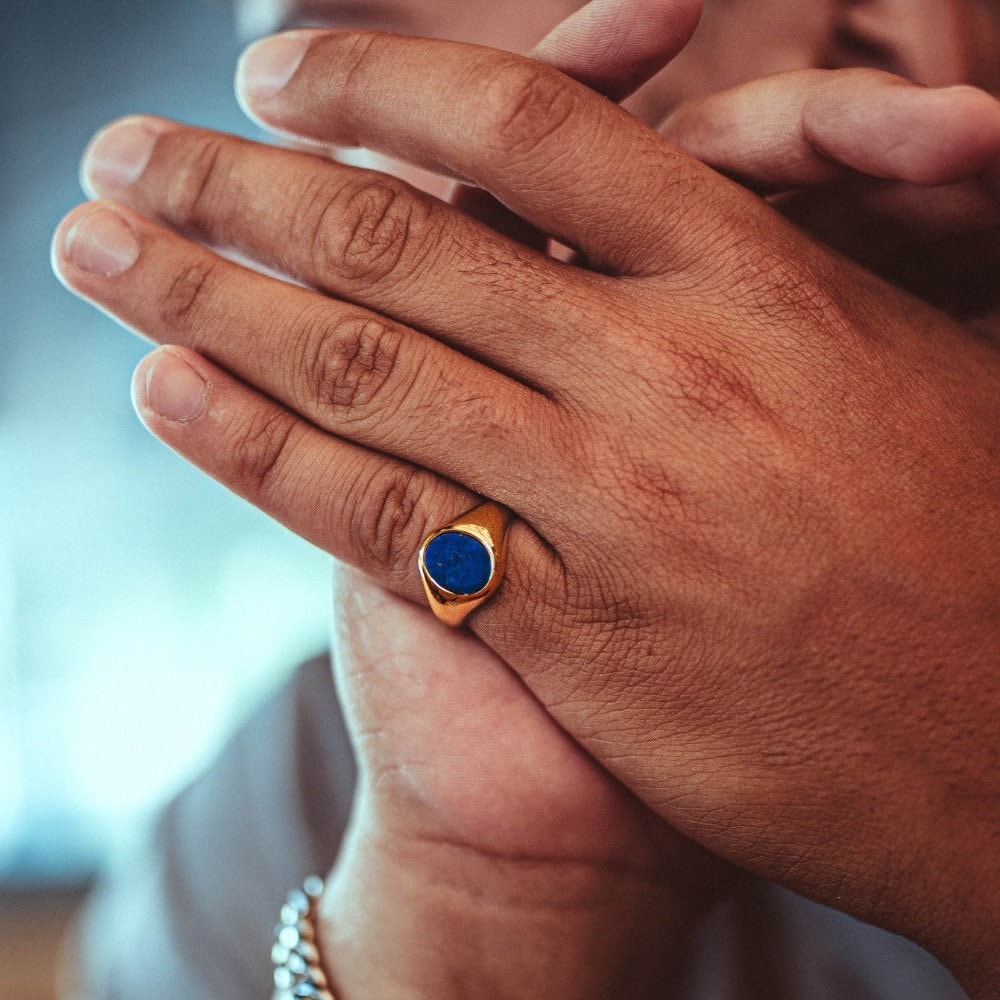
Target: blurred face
(935, 42)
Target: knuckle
(707, 382)
(390, 519)
(357, 55)
(348, 363)
(199, 178)
(186, 298)
(525, 105)
(769, 285)
(365, 232)
(259, 451)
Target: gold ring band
(462, 563)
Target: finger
(356, 234)
(545, 146)
(344, 369)
(436, 704)
(611, 46)
(367, 509)
(615, 46)
(814, 126)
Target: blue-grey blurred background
(143, 610)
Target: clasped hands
(754, 572)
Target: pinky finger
(363, 507)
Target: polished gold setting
(487, 524)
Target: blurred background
(143, 610)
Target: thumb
(451, 743)
(404, 678)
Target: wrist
(972, 951)
(984, 983)
(410, 921)
(951, 894)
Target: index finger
(612, 46)
(568, 161)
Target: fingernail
(118, 155)
(102, 242)
(269, 64)
(174, 389)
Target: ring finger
(370, 510)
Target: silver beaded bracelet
(298, 972)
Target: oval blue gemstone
(458, 563)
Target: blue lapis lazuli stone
(458, 563)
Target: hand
(904, 179)
(488, 855)
(481, 830)
(754, 571)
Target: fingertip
(955, 135)
(95, 241)
(269, 123)
(56, 256)
(170, 386)
(138, 389)
(893, 129)
(979, 116)
(267, 67)
(677, 19)
(117, 155)
(615, 46)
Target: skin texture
(487, 852)
(918, 214)
(775, 386)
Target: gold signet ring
(462, 563)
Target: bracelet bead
(298, 970)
